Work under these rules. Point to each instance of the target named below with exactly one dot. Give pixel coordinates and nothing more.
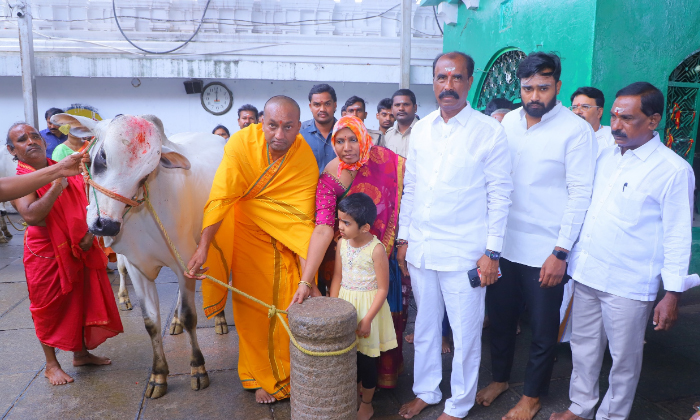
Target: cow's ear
(171, 159)
(79, 126)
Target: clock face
(217, 98)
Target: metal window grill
(501, 80)
(682, 107)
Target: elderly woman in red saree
(378, 172)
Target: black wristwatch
(493, 254)
(561, 255)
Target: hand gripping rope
(271, 309)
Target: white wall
(166, 98)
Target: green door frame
(485, 73)
(695, 247)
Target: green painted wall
(642, 40)
(564, 26)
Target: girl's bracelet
(307, 284)
(401, 242)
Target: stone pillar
(323, 387)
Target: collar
(462, 117)
(644, 151)
(546, 117)
(46, 131)
(395, 127)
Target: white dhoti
(434, 292)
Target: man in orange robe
(70, 296)
(257, 227)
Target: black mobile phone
(474, 278)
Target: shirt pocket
(456, 169)
(627, 206)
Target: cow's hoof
(156, 389)
(199, 378)
(3, 240)
(175, 326)
(125, 302)
(7, 233)
(220, 325)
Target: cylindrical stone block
(323, 387)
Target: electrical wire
(114, 9)
(437, 21)
(245, 23)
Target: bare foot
(565, 415)
(365, 412)
(412, 408)
(56, 375)
(409, 338)
(445, 416)
(89, 359)
(446, 345)
(487, 395)
(262, 397)
(525, 409)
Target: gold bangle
(307, 284)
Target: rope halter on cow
(89, 182)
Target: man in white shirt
(404, 107)
(453, 219)
(553, 156)
(637, 233)
(588, 102)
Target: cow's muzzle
(105, 227)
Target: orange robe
(70, 297)
(267, 213)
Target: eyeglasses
(584, 107)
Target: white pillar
(405, 62)
(21, 10)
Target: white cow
(129, 151)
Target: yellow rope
(23, 223)
(272, 310)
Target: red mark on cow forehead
(138, 131)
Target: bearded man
(71, 299)
(553, 154)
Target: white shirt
(638, 229)
(456, 188)
(604, 137)
(553, 166)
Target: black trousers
(367, 370)
(504, 302)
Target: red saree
(381, 178)
(71, 299)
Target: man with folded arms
(637, 233)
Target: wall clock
(216, 98)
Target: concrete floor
(669, 384)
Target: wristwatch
(561, 255)
(493, 254)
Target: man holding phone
(453, 219)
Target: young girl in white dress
(361, 277)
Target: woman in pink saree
(377, 172)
